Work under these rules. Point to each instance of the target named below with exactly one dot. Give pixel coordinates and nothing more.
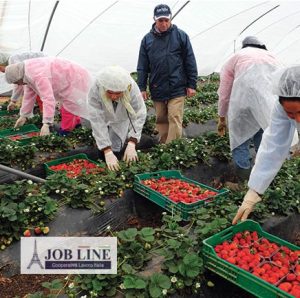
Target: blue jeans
(241, 154)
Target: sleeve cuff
(134, 140)
(105, 148)
(29, 115)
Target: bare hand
(222, 126)
(145, 95)
(190, 92)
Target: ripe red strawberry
(285, 286)
(37, 230)
(290, 277)
(27, 233)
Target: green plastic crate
(19, 131)
(65, 160)
(236, 275)
(184, 209)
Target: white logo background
(69, 255)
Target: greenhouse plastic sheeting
(98, 33)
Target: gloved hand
(45, 131)
(111, 161)
(11, 106)
(130, 154)
(250, 199)
(222, 126)
(20, 122)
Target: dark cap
(162, 11)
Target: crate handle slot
(157, 175)
(225, 234)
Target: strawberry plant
(200, 115)
(73, 193)
(218, 147)
(12, 154)
(206, 97)
(36, 120)
(133, 247)
(214, 77)
(81, 136)
(181, 153)
(8, 122)
(23, 206)
(286, 184)
(149, 125)
(52, 143)
(209, 86)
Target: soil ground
(20, 285)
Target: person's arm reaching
(138, 105)
(272, 152)
(46, 93)
(226, 82)
(97, 118)
(17, 92)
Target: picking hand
(145, 95)
(250, 199)
(20, 122)
(111, 161)
(45, 131)
(130, 154)
(222, 126)
(11, 106)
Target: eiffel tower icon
(35, 258)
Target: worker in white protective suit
(117, 113)
(18, 91)
(277, 139)
(246, 99)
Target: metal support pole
(22, 174)
(48, 26)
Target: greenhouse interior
(149, 149)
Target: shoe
(156, 137)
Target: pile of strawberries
(78, 167)
(178, 190)
(37, 231)
(24, 136)
(269, 261)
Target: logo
(162, 9)
(35, 258)
(69, 255)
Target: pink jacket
(235, 67)
(55, 80)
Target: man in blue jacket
(166, 57)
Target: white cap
(114, 78)
(287, 82)
(14, 72)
